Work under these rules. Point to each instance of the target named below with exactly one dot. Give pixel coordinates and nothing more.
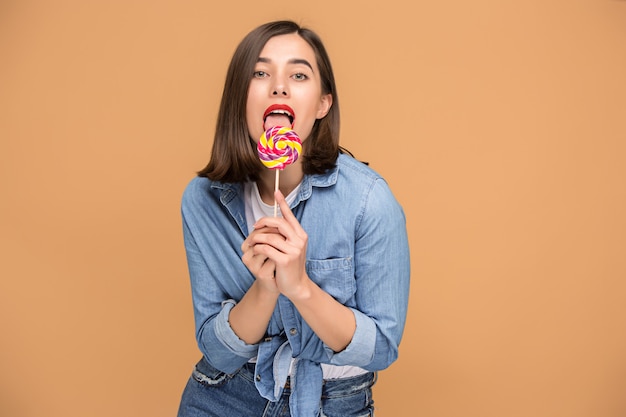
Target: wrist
(265, 293)
(302, 292)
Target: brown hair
(234, 157)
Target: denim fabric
(213, 393)
(357, 252)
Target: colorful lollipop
(278, 147)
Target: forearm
(250, 317)
(333, 322)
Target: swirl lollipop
(278, 147)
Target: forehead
(285, 48)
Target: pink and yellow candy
(278, 147)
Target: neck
(289, 178)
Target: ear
(325, 104)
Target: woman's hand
(260, 265)
(282, 243)
(250, 316)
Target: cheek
(255, 129)
(305, 121)
(303, 127)
(254, 120)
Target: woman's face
(286, 88)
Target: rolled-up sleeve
(214, 289)
(360, 350)
(382, 270)
(232, 352)
(382, 275)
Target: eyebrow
(291, 61)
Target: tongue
(276, 120)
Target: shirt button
(293, 332)
(258, 377)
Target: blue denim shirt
(357, 252)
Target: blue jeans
(212, 393)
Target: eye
(259, 74)
(300, 76)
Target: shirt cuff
(360, 350)
(227, 336)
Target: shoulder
(197, 189)
(350, 167)
(356, 175)
(359, 178)
(201, 191)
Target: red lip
(275, 107)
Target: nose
(279, 92)
(280, 89)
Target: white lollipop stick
(276, 189)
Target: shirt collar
(327, 179)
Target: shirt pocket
(335, 276)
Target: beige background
(500, 126)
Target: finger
(288, 214)
(253, 239)
(273, 249)
(245, 246)
(253, 260)
(284, 207)
(267, 276)
(247, 243)
(268, 270)
(288, 226)
(265, 236)
(273, 226)
(262, 228)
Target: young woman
(294, 314)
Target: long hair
(234, 157)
